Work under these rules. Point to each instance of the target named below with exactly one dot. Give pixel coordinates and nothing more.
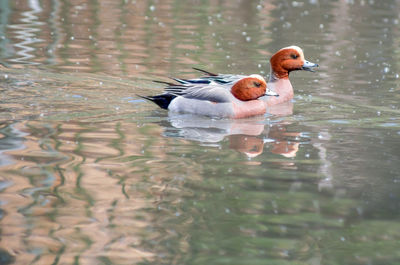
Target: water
(91, 174)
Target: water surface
(92, 174)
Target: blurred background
(91, 174)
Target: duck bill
(269, 92)
(308, 66)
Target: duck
(207, 97)
(283, 62)
(234, 96)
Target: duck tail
(165, 83)
(162, 100)
(205, 72)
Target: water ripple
(27, 33)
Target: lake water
(92, 174)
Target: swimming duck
(283, 62)
(234, 96)
(236, 99)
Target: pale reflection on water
(247, 136)
(84, 189)
(91, 174)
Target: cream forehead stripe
(258, 77)
(297, 48)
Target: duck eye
(294, 56)
(257, 84)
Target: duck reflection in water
(248, 136)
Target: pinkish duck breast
(234, 96)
